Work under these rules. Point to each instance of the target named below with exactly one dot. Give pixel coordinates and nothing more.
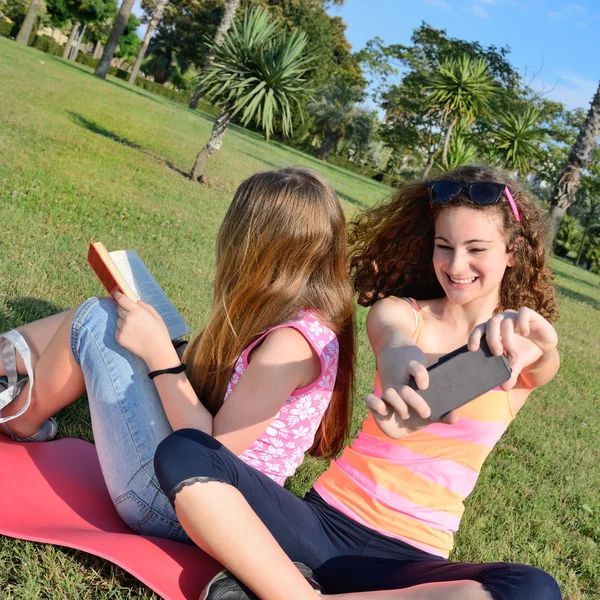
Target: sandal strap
(12, 342)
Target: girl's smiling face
(470, 255)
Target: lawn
(82, 159)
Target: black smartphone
(461, 376)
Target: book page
(146, 288)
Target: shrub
(47, 44)
(6, 28)
(87, 60)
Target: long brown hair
(281, 248)
(392, 245)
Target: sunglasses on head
(484, 193)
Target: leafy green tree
(565, 191)
(516, 140)
(129, 44)
(400, 74)
(460, 92)
(260, 73)
(338, 117)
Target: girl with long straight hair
(270, 375)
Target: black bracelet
(174, 370)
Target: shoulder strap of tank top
(418, 318)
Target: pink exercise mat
(54, 493)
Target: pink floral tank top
(279, 451)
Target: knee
(530, 583)
(185, 454)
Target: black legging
(344, 555)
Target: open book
(124, 271)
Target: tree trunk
(447, 142)
(216, 139)
(78, 37)
(231, 7)
(157, 15)
(565, 192)
(114, 38)
(69, 44)
(97, 50)
(328, 144)
(429, 164)
(27, 26)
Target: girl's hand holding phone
(524, 336)
(401, 409)
(141, 330)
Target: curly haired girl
(441, 264)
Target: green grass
(82, 159)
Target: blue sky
(560, 38)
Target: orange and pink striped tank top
(413, 489)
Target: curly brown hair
(391, 245)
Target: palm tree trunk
(565, 192)
(27, 26)
(69, 44)
(157, 15)
(231, 7)
(114, 38)
(447, 141)
(78, 37)
(216, 139)
(327, 145)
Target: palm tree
(338, 116)
(114, 38)
(565, 191)
(157, 15)
(516, 140)
(259, 72)
(231, 7)
(460, 152)
(27, 26)
(460, 92)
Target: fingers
(493, 334)
(149, 308)
(450, 418)
(123, 301)
(507, 330)
(524, 317)
(420, 374)
(475, 337)
(377, 405)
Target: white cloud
(555, 15)
(441, 3)
(479, 11)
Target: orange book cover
(106, 270)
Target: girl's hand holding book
(141, 330)
(525, 337)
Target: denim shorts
(128, 420)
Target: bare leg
(451, 590)
(221, 522)
(58, 378)
(38, 335)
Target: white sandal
(10, 343)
